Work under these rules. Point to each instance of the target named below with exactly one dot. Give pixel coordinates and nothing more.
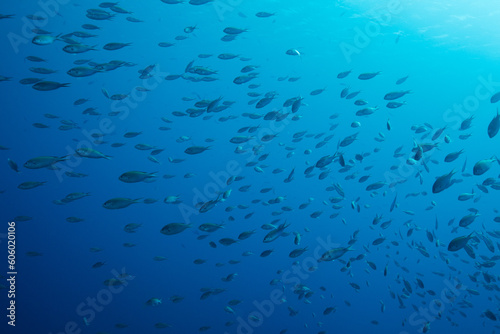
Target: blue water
(448, 52)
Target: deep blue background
(447, 52)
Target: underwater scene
(240, 167)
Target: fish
(163, 84)
(119, 203)
(114, 46)
(13, 165)
(396, 95)
(443, 182)
(78, 48)
(344, 74)
(264, 14)
(495, 98)
(368, 76)
(196, 149)
(43, 162)
(45, 86)
(468, 219)
(136, 176)
(450, 157)
(494, 125)
(45, 39)
(293, 52)
(401, 80)
(174, 228)
(276, 233)
(459, 243)
(87, 152)
(82, 71)
(30, 185)
(334, 254)
(482, 166)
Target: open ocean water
(237, 166)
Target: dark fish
(48, 85)
(495, 98)
(367, 76)
(342, 75)
(115, 46)
(264, 14)
(395, 95)
(401, 80)
(443, 182)
(459, 243)
(494, 124)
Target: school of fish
(288, 171)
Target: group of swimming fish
(330, 159)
